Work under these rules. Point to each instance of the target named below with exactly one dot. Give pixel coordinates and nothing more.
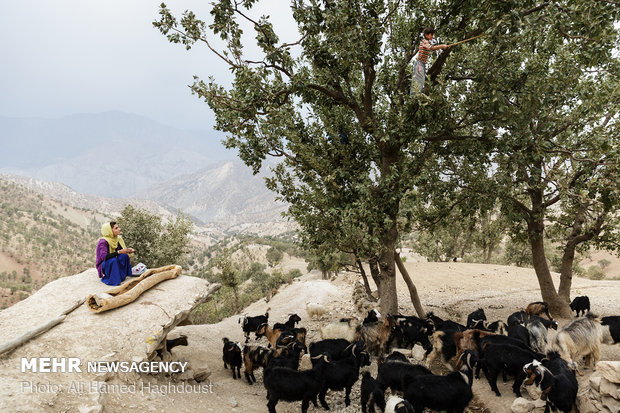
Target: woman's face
(116, 230)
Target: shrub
(595, 272)
(295, 273)
(604, 263)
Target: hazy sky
(84, 56)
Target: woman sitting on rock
(113, 262)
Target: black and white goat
(581, 305)
(409, 330)
(251, 324)
(290, 385)
(373, 317)
(476, 319)
(232, 357)
(396, 404)
(371, 394)
(451, 392)
(558, 383)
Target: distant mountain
(111, 154)
(225, 193)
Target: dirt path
(448, 289)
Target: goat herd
(518, 348)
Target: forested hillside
(40, 240)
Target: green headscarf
(108, 235)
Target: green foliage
(156, 243)
(604, 263)
(295, 273)
(595, 272)
(274, 256)
(361, 157)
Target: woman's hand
(126, 251)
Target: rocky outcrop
(83, 349)
(603, 392)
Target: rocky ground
(449, 289)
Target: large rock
(130, 333)
(610, 370)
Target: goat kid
(232, 357)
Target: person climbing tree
(419, 68)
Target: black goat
(476, 319)
(170, 344)
(288, 357)
(371, 394)
(289, 324)
(333, 347)
(580, 304)
(290, 385)
(558, 383)
(611, 329)
(394, 356)
(396, 374)
(500, 340)
(232, 356)
(451, 393)
(251, 324)
(342, 374)
(519, 332)
(496, 358)
(441, 324)
(253, 358)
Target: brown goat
(271, 334)
(253, 358)
(465, 340)
(538, 308)
(376, 335)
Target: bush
(604, 263)
(595, 272)
(295, 273)
(156, 244)
(274, 256)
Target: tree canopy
(355, 144)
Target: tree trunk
(387, 293)
(557, 306)
(324, 275)
(566, 271)
(365, 278)
(568, 258)
(375, 273)
(413, 291)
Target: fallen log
(130, 291)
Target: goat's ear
(469, 360)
